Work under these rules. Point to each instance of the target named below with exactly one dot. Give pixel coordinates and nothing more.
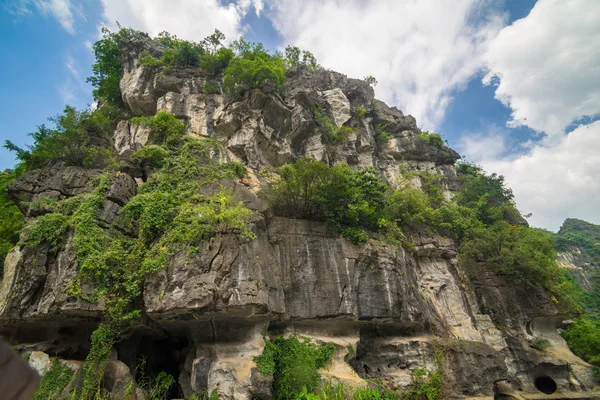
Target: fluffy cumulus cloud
(491, 143)
(188, 19)
(546, 70)
(420, 51)
(554, 180)
(546, 65)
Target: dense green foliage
(164, 129)
(583, 338)
(107, 69)
(296, 58)
(244, 66)
(79, 138)
(254, 68)
(293, 364)
(349, 201)
(11, 219)
(54, 382)
(210, 55)
(433, 139)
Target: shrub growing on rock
(253, 68)
(294, 364)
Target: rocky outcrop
(396, 307)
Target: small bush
(381, 134)
(426, 386)
(360, 112)
(48, 228)
(331, 133)
(433, 139)
(370, 79)
(294, 364)
(149, 60)
(151, 155)
(211, 88)
(157, 388)
(540, 344)
(164, 128)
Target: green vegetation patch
(349, 201)
(583, 338)
(294, 363)
(78, 138)
(433, 139)
(381, 133)
(11, 219)
(54, 382)
(331, 133)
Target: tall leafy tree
(107, 69)
(74, 140)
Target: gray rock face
(57, 182)
(205, 315)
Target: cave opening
(545, 384)
(162, 355)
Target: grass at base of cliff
(54, 382)
(293, 363)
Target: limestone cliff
(387, 308)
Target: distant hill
(576, 234)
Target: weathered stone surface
(40, 361)
(339, 105)
(506, 304)
(117, 379)
(56, 182)
(475, 366)
(36, 284)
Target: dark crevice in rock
(545, 384)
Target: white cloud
(17, 8)
(546, 65)
(188, 19)
(62, 10)
(72, 67)
(489, 144)
(420, 51)
(556, 179)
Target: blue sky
(434, 69)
